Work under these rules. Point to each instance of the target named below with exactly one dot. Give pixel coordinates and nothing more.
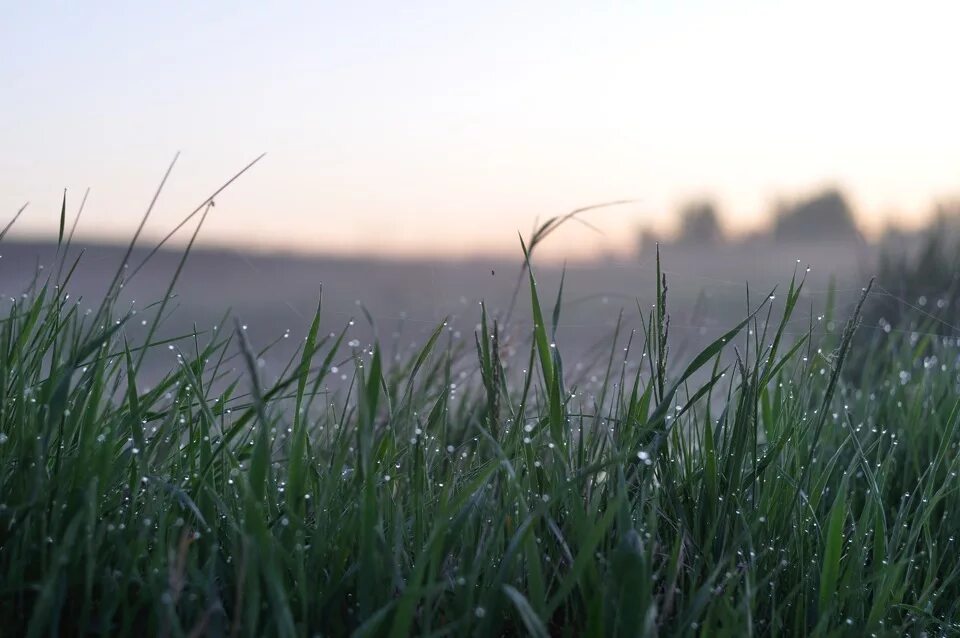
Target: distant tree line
(825, 215)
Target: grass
(750, 490)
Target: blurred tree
(699, 224)
(826, 215)
(647, 241)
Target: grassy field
(754, 488)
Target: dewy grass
(749, 490)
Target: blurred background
(408, 144)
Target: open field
(709, 466)
(405, 299)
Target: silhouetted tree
(826, 215)
(699, 224)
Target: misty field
(771, 482)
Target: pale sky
(413, 127)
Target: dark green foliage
(916, 301)
(920, 288)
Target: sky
(429, 128)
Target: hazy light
(405, 128)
